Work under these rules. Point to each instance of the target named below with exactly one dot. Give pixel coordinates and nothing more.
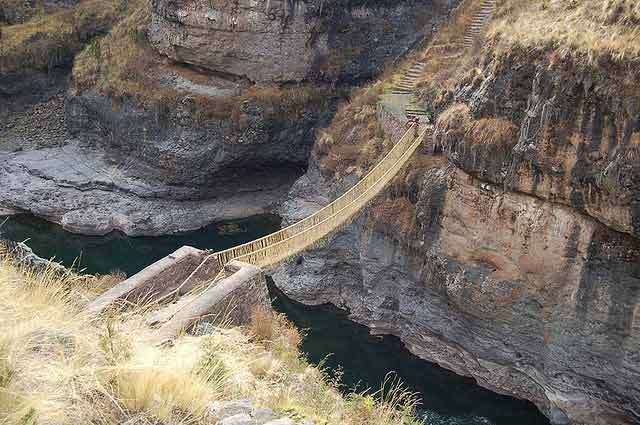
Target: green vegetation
(58, 366)
(50, 40)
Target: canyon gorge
(507, 250)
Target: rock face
(77, 161)
(178, 148)
(291, 40)
(579, 142)
(149, 170)
(534, 290)
(87, 192)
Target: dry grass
(14, 11)
(445, 59)
(262, 323)
(396, 217)
(355, 141)
(59, 367)
(51, 40)
(454, 122)
(496, 133)
(457, 127)
(591, 31)
(116, 63)
(123, 66)
(19, 11)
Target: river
(447, 399)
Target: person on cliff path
(415, 121)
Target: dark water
(447, 399)
(116, 251)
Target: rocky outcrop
(291, 40)
(87, 192)
(16, 12)
(212, 150)
(23, 255)
(32, 109)
(178, 147)
(244, 412)
(79, 162)
(477, 268)
(579, 138)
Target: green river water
(447, 399)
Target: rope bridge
(264, 252)
(290, 241)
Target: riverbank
(102, 370)
(447, 399)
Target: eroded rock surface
(579, 138)
(291, 40)
(88, 192)
(528, 281)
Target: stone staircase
(401, 95)
(479, 23)
(404, 88)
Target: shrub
(498, 134)
(262, 323)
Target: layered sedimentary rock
(579, 138)
(516, 262)
(146, 168)
(291, 40)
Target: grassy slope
(49, 40)
(59, 367)
(589, 30)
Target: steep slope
(511, 252)
(183, 114)
(60, 366)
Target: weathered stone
(284, 41)
(24, 255)
(531, 297)
(154, 282)
(239, 419)
(263, 415)
(87, 192)
(230, 408)
(281, 421)
(231, 301)
(578, 142)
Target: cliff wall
(511, 253)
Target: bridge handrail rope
(254, 252)
(280, 251)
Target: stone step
(165, 314)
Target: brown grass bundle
(496, 133)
